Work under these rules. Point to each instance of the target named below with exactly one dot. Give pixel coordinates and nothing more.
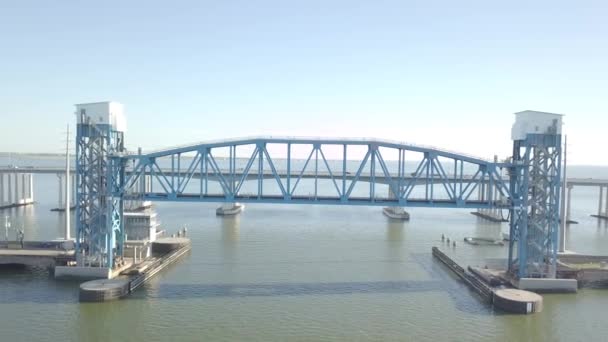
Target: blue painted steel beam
(356, 201)
(320, 141)
(429, 171)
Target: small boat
(506, 236)
(483, 241)
(397, 213)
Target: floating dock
(501, 297)
(165, 252)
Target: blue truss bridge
(325, 171)
(374, 173)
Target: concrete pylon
(16, 198)
(9, 196)
(606, 208)
(31, 194)
(600, 201)
(60, 191)
(568, 203)
(227, 209)
(486, 193)
(23, 188)
(1, 189)
(602, 204)
(395, 212)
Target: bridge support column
(23, 188)
(9, 195)
(26, 189)
(16, 198)
(1, 189)
(228, 209)
(141, 186)
(395, 212)
(18, 186)
(485, 192)
(32, 187)
(600, 201)
(60, 191)
(606, 204)
(602, 204)
(568, 204)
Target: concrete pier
(490, 193)
(492, 215)
(19, 190)
(1, 189)
(506, 299)
(568, 203)
(547, 285)
(517, 301)
(229, 209)
(61, 192)
(397, 213)
(103, 290)
(602, 205)
(166, 251)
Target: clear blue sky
(444, 73)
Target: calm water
(301, 273)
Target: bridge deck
(331, 200)
(283, 174)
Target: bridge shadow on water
(441, 282)
(25, 286)
(185, 291)
(463, 297)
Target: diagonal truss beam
(428, 175)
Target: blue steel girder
(426, 185)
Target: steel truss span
(313, 171)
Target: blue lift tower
(535, 177)
(99, 136)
